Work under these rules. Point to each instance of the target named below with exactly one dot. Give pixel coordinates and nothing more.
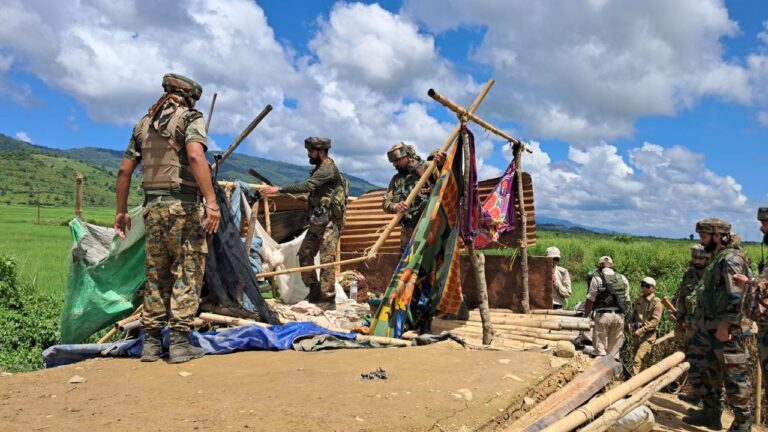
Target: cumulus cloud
(584, 71)
(654, 190)
(23, 136)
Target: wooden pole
(210, 113)
(599, 372)
(616, 412)
(267, 219)
(759, 394)
(113, 331)
(598, 404)
(477, 262)
(251, 227)
(79, 194)
(247, 131)
(558, 312)
(523, 228)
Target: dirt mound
(438, 387)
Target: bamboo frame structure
(519, 146)
(79, 179)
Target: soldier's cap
(400, 150)
(713, 226)
(553, 252)
(762, 214)
(317, 143)
(185, 86)
(650, 281)
(698, 251)
(605, 259)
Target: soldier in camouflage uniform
(687, 316)
(718, 343)
(756, 302)
(170, 140)
(643, 323)
(327, 203)
(409, 168)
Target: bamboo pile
(517, 330)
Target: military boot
(315, 293)
(153, 346)
(742, 426)
(709, 418)
(693, 400)
(181, 351)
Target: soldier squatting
(717, 295)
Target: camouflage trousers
(176, 251)
(643, 346)
(723, 364)
(694, 371)
(321, 239)
(762, 346)
(406, 232)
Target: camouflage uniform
(688, 317)
(762, 334)
(723, 362)
(645, 318)
(326, 221)
(176, 246)
(398, 190)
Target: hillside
(26, 168)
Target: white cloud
(584, 71)
(656, 190)
(23, 136)
(762, 118)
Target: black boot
(742, 426)
(181, 351)
(315, 293)
(153, 346)
(693, 400)
(710, 418)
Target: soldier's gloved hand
(401, 207)
(122, 224)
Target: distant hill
(544, 223)
(27, 168)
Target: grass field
(42, 250)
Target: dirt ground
(439, 387)
(669, 410)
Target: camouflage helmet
(698, 251)
(180, 84)
(317, 143)
(762, 214)
(713, 226)
(400, 150)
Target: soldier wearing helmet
(327, 203)
(179, 199)
(561, 280)
(687, 315)
(718, 343)
(409, 168)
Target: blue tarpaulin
(276, 337)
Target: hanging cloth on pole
(498, 210)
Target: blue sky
(645, 116)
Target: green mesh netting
(104, 278)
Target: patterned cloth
(498, 210)
(427, 279)
(176, 251)
(471, 214)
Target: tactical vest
(690, 285)
(165, 161)
(329, 202)
(611, 294)
(713, 298)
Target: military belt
(186, 198)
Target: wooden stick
(210, 112)
(530, 330)
(113, 331)
(267, 219)
(79, 194)
(523, 226)
(667, 304)
(251, 227)
(664, 338)
(541, 339)
(598, 404)
(136, 314)
(599, 372)
(533, 317)
(247, 131)
(618, 411)
(759, 394)
(557, 312)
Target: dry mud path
(440, 387)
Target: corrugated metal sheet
(366, 219)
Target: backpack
(339, 198)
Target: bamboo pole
(251, 227)
(759, 394)
(551, 325)
(247, 131)
(79, 178)
(210, 112)
(532, 317)
(598, 404)
(577, 391)
(477, 261)
(523, 227)
(267, 219)
(664, 338)
(508, 334)
(500, 341)
(530, 330)
(616, 412)
(113, 331)
(555, 312)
